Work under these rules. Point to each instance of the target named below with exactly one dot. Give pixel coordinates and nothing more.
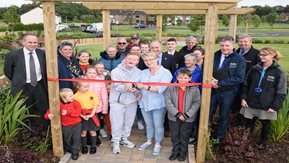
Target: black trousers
(180, 132)
(250, 123)
(71, 138)
(37, 101)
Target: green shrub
(267, 41)
(280, 126)
(258, 41)
(28, 27)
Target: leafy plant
(12, 116)
(209, 155)
(280, 126)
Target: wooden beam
(159, 27)
(210, 28)
(178, 1)
(52, 72)
(152, 5)
(106, 28)
(247, 22)
(238, 11)
(233, 26)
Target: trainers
(103, 133)
(140, 125)
(115, 148)
(144, 146)
(156, 150)
(127, 143)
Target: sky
(7, 3)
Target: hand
(244, 103)
(50, 116)
(140, 86)
(182, 118)
(215, 83)
(138, 96)
(85, 118)
(63, 112)
(128, 87)
(271, 110)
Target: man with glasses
(122, 46)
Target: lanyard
(261, 78)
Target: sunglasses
(121, 43)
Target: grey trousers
(121, 118)
(71, 138)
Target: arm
(172, 109)
(117, 86)
(104, 99)
(196, 101)
(75, 111)
(8, 66)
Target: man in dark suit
(171, 46)
(26, 68)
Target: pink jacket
(100, 90)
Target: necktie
(33, 78)
(242, 52)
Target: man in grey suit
(26, 68)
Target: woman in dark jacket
(110, 58)
(68, 67)
(264, 92)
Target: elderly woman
(68, 66)
(191, 64)
(110, 58)
(264, 92)
(152, 103)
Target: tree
(271, 18)
(88, 18)
(129, 17)
(256, 20)
(71, 10)
(179, 21)
(11, 15)
(196, 22)
(27, 7)
(225, 20)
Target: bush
(280, 126)
(267, 41)
(258, 41)
(28, 27)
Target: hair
(146, 43)
(242, 36)
(83, 51)
(29, 34)
(156, 41)
(227, 38)
(192, 55)
(119, 38)
(191, 38)
(98, 63)
(185, 72)
(63, 44)
(110, 46)
(199, 48)
(271, 51)
(133, 54)
(171, 40)
(64, 91)
(149, 54)
(90, 67)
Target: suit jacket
(168, 62)
(251, 57)
(15, 70)
(179, 59)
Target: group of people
(246, 81)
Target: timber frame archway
(210, 9)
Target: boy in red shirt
(70, 111)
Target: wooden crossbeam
(153, 5)
(150, 1)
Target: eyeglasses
(263, 55)
(121, 43)
(149, 60)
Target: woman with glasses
(263, 92)
(110, 58)
(152, 103)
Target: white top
(222, 60)
(37, 65)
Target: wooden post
(159, 27)
(247, 23)
(52, 72)
(233, 26)
(210, 28)
(106, 28)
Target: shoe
(140, 126)
(98, 142)
(173, 156)
(127, 143)
(193, 141)
(92, 150)
(115, 148)
(103, 133)
(182, 157)
(144, 146)
(167, 134)
(261, 146)
(156, 150)
(84, 150)
(74, 156)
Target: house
(35, 16)
(283, 18)
(128, 17)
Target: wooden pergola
(209, 7)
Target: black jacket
(274, 87)
(179, 59)
(251, 57)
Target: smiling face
(156, 47)
(150, 61)
(245, 44)
(99, 69)
(135, 50)
(83, 87)
(198, 55)
(190, 62)
(30, 42)
(66, 51)
(144, 48)
(265, 57)
(226, 47)
(171, 45)
(131, 60)
(191, 43)
(84, 57)
(111, 52)
(121, 44)
(91, 73)
(183, 78)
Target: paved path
(105, 155)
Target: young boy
(70, 120)
(182, 104)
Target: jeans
(139, 116)
(154, 120)
(224, 100)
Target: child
(100, 90)
(182, 104)
(70, 120)
(89, 103)
(123, 101)
(84, 59)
